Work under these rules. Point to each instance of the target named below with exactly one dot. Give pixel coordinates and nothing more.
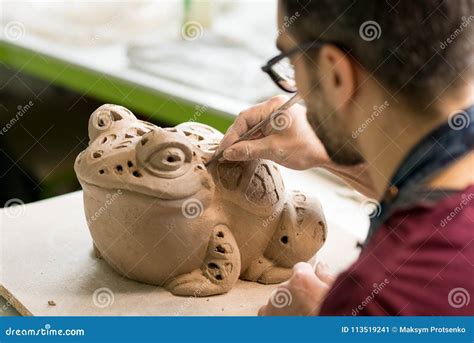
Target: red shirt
(420, 262)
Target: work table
(48, 267)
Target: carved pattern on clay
(240, 221)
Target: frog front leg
(219, 271)
(299, 234)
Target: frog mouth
(137, 189)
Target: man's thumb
(246, 150)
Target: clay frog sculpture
(158, 215)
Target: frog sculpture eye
(104, 117)
(164, 154)
(168, 159)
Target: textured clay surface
(158, 215)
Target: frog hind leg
(265, 271)
(300, 233)
(219, 271)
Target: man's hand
(288, 140)
(302, 295)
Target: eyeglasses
(282, 72)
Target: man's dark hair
(416, 49)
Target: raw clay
(158, 215)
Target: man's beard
(328, 126)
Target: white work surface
(46, 256)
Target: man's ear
(338, 76)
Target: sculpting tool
(293, 100)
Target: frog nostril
(102, 171)
(108, 138)
(130, 164)
(140, 132)
(97, 154)
(118, 169)
(136, 173)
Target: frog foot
(219, 271)
(264, 271)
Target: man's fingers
(303, 267)
(323, 273)
(249, 118)
(250, 150)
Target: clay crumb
(51, 303)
